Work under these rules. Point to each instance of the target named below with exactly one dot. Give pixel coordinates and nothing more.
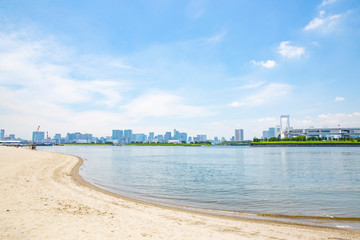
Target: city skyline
(201, 66)
(128, 135)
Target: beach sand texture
(41, 199)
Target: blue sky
(204, 67)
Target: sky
(199, 66)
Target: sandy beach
(43, 197)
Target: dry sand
(41, 198)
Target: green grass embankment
(234, 143)
(144, 144)
(306, 142)
(348, 143)
(170, 144)
(93, 144)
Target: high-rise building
(78, 137)
(272, 132)
(269, 133)
(117, 135)
(176, 135)
(201, 138)
(160, 138)
(239, 134)
(70, 137)
(139, 137)
(265, 134)
(128, 136)
(183, 137)
(38, 136)
(12, 136)
(87, 137)
(151, 136)
(57, 138)
(2, 134)
(167, 136)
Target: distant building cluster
(324, 132)
(2, 134)
(10, 137)
(281, 131)
(77, 137)
(271, 132)
(38, 136)
(126, 136)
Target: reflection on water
(287, 181)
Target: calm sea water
(282, 181)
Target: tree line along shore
(192, 144)
(302, 141)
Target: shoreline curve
(44, 197)
(256, 217)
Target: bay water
(318, 183)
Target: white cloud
(42, 82)
(322, 23)
(313, 24)
(237, 104)
(31, 66)
(342, 119)
(327, 2)
(265, 123)
(162, 104)
(328, 120)
(250, 85)
(286, 50)
(196, 8)
(267, 119)
(338, 99)
(217, 38)
(265, 95)
(267, 64)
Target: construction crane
(33, 147)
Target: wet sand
(43, 197)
